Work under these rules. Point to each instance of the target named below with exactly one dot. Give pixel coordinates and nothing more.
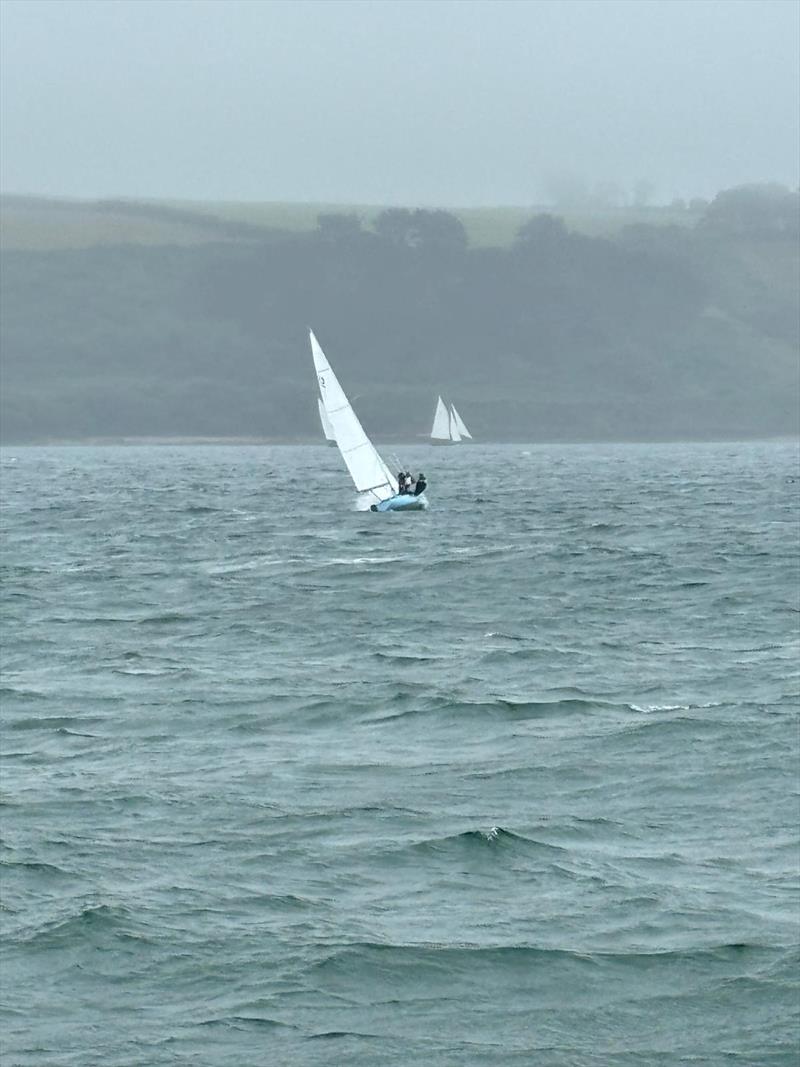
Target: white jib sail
(327, 429)
(441, 422)
(458, 422)
(368, 471)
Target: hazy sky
(396, 101)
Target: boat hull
(403, 502)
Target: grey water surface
(513, 781)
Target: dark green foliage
(339, 227)
(422, 231)
(661, 332)
(762, 210)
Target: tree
(339, 227)
(542, 231)
(421, 229)
(768, 209)
(396, 226)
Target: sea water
(511, 781)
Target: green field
(39, 224)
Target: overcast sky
(453, 102)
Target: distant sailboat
(327, 429)
(448, 426)
(376, 484)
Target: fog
(448, 102)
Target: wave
(241, 1022)
(407, 657)
(332, 1035)
(166, 617)
(470, 955)
(540, 708)
(222, 570)
(8, 691)
(605, 527)
(517, 654)
(358, 561)
(163, 672)
(59, 723)
(594, 828)
(680, 719)
(505, 708)
(496, 838)
(99, 918)
(35, 867)
(649, 709)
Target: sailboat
(327, 429)
(376, 485)
(448, 426)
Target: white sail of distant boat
(448, 426)
(459, 423)
(370, 474)
(327, 429)
(444, 431)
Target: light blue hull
(402, 502)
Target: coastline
(199, 440)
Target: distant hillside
(39, 224)
(197, 327)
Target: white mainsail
(441, 423)
(327, 429)
(458, 422)
(447, 424)
(368, 471)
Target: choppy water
(514, 781)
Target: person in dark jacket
(421, 484)
(401, 482)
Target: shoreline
(184, 441)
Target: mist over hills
(124, 319)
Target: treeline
(662, 331)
